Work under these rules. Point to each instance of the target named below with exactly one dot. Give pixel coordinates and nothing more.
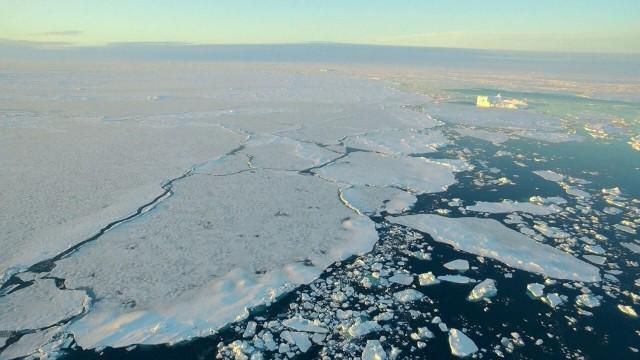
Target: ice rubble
(508, 206)
(417, 174)
(486, 289)
(230, 248)
(40, 305)
(489, 238)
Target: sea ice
(456, 279)
(508, 206)
(489, 238)
(399, 142)
(229, 263)
(587, 300)
(416, 174)
(461, 345)
(484, 290)
(549, 175)
(409, 295)
(490, 136)
(427, 279)
(373, 351)
(457, 265)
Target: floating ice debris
(410, 173)
(300, 339)
(631, 246)
(373, 351)
(250, 330)
(407, 296)
(553, 300)
(611, 210)
(594, 249)
(422, 333)
(535, 290)
(595, 259)
(373, 200)
(489, 238)
(457, 265)
(587, 300)
(549, 175)
(625, 228)
(573, 191)
(398, 142)
(461, 345)
(635, 142)
(40, 305)
(483, 291)
(427, 279)
(628, 310)
(615, 191)
(362, 328)
(401, 278)
(301, 324)
(508, 206)
(456, 279)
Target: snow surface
(489, 238)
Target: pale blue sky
(559, 25)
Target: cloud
(60, 33)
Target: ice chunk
(489, 238)
(410, 173)
(553, 300)
(407, 296)
(457, 265)
(399, 142)
(587, 300)
(40, 305)
(362, 328)
(484, 290)
(427, 279)
(373, 351)
(598, 260)
(535, 290)
(628, 310)
(456, 279)
(373, 199)
(549, 175)
(461, 345)
(301, 324)
(631, 246)
(401, 278)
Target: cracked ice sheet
(373, 200)
(489, 238)
(248, 235)
(40, 305)
(417, 174)
(494, 136)
(399, 142)
(274, 152)
(91, 174)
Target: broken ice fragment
(461, 345)
(628, 310)
(373, 351)
(301, 324)
(535, 290)
(587, 300)
(401, 278)
(457, 265)
(427, 279)
(484, 290)
(409, 295)
(456, 279)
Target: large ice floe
(210, 254)
(489, 238)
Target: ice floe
(399, 142)
(489, 238)
(417, 174)
(461, 345)
(373, 199)
(486, 289)
(507, 206)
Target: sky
(610, 26)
